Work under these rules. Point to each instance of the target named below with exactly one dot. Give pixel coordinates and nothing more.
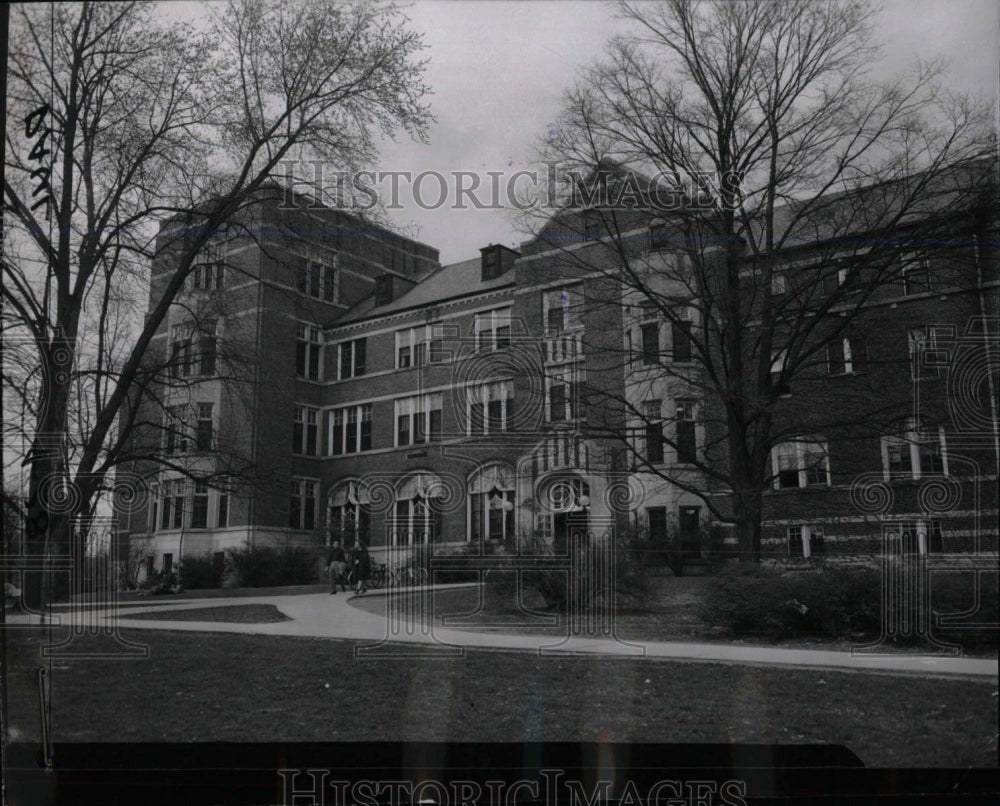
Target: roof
(453, 281)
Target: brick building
(367, 391)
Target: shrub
(201, 571)
(833, 601)
(266, 566)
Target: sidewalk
(325, 616)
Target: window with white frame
(833, 280)
(207, 347)
(801, 463)
(305, 431)
(418, 511)
(318, 277)
(181, 352)
(805, 540)
(560, 394)
(350, 429)
(919, 342)
(418, 419)
(302, 504)
(308, 352)
(172, 510)
(210, 272)
(492, 330)
(222, 510)
(650, 333)
(680, 335)
(562, 309)
(488, 407)
(779, 382)
(154, 507)
(846, 355)
(349, 512)
(205, 427)
(199, 505)
(351, 358)
(685, 429)
(914, 452)
(652, 412)
(779, 284)
(411, 347)
(916, 272)
(912, 537)
(176, 436)
(491, 504)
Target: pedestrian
(336, 567)
(362, 566)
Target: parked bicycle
(378, 577)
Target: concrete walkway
(326, 616)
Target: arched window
(349, 513)
(491, 503)
(418, 510)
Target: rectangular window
(650, 344)
(383, 289)
(492, 330)
(181, 363)
(418, 419)
(562, 309)
(680, 333)
(914, 453)
(207, 347)
(489, 406)
(779, 284)
(302, 504)
(222, 515)
(779, 383)
(436, 353)
(204, 428)
(178, 513)
(652, 414)
(352, 358)
(199, 506)
(351, 429)
(557, 402)
(916, 273)
(308, 344)
(411, 346)
(920, 342)
(685, 431)
(329, 284)
(801, 463)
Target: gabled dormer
(496, 259)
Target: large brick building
(365, 389)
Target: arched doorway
(417, 515)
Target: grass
(234, 614)
(241, 688)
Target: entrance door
(690, 527)
(657, 524)
(168, 563)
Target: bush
(832, 601)
(201, 571)
(268, 567)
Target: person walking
(362, 567)
(336, 567)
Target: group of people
(339, 564)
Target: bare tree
(119, 120)
(746, 182)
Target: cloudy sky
(498, 70)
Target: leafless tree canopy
(151, 119)
(752, 144)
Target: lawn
(219, 687)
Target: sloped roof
(448, 282)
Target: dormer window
(383, 289)
(491, 263)
(657, 235)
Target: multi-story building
(367, 391)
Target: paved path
(324, 616)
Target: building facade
(321, 377)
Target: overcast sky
(498, 69)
